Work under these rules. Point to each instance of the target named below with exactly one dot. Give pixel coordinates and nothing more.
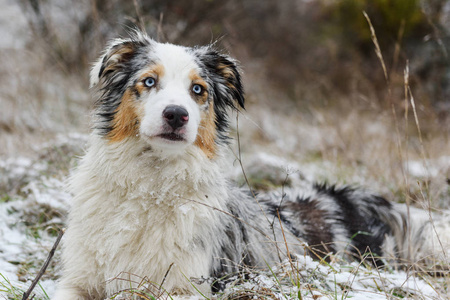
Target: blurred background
(324, 94)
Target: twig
(243, 170)
(45, 266)
(283, 195)
(231, 215)
(286, 244)
(165, 275)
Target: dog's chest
(148, 239)
(142, 218)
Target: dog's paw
(71, 294)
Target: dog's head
(167, 95)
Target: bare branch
(45, 266)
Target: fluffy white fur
(139, 216)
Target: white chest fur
(135, 212)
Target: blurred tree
(319, 45)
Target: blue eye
(197, 88)
(149, 82)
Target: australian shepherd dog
(150, 197)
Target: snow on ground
(339, 280)
(427, 168)
(22, 247)
(33, 206)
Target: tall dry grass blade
(160, 36)
(406, 104)
(394, 113)
(139, 16)
(424, 155)
(444, 252)
(400, 34)
(406, 179)
(377, 46)
(409, 95)
(416, 119)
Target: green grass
(11, 290)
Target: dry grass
(358, 139)
(38, 101)
(355, 145)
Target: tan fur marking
(156, 71)
(125, 120)
(197, 79)
(226, 71)
(207, 133)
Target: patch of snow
(17, 245)
(339, 280)
(428, 168)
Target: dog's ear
(228, 69)
(225, 83)
(112, 73)
(226, 78)
(117, 56)
(119, 52)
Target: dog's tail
(356, 223)
(418, 237)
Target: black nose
(176, 116)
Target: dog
(150, 198)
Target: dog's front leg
(66, 292)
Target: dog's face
(167, 95)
